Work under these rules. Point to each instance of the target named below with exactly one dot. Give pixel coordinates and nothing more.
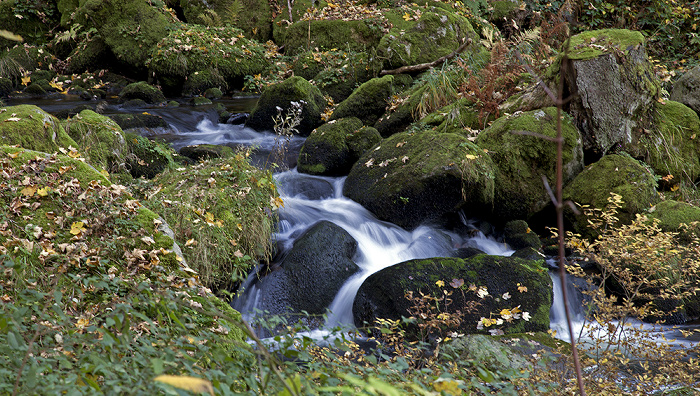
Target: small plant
(285, 128)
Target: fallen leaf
(77, 227)
(15, 119)
(28, 191)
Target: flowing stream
(309, 199)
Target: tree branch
(425, 66)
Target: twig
(425, 66)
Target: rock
(383, 294)
(213, 93)
(313, 271)
(199, 82)
(438, 32)
(139, 121)
(141, 90)
(368, 102)
(200, 101)
(613, 173)
(522, 160)
(414, 178)
(148, 158)
(519, 236)
(671, 145)
(253, 17)
(200, 152)
(33, 129)
(615, 84)
(349, 35)
(326, 152)
(293, 89)
(687, 89)
(130, 28)
(102, 138)
(362, 140)
(212, 51)
(91, 54)
(341, 72)
(457, 117)
(671, 214)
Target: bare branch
(425, 66)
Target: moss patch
(100, 138)
(368, 102)
(32, 128)
(594, 43)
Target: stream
(309, 199)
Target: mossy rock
(131, 29)
(6, 86)
(195, 48)
(354, 35)
(200, 152)
(27, 57)
(200, 101)
(138, 120)
(253, 17)
(362, 140)
(672, 144)
(413, 178)
(200, 81)
(522, 160)
(326, 151)
(141, 90)
(687, 89)
(101, 139)
(213, 93)
(671, 214)
(283, 21)
(383, 294)
(90, 54)
(615, 84)
(342, 72)
(399, 118)
(619, 174)
(34, 129)
(436, 33)
(368, 102)
(293, 89)
(147, 158)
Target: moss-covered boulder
(34, 129)
(90, 54)
(326, 152)
(413, 178)
(615, 84)
(671, 214)
(281, 95)
(100, 138)
(429, 34)
(362, 140)
(223, 208)
(518, 235)
(33, 21)
(687, 89)
(217, 50)
(336, 73)
(131, 29)
(146, 157)
(138, 120)
(353, 35)
(498, 284)
(199, 152)
(141, 90)
(522, 159)
(312, 272)
(619, 174)
(253, 17)
(368, 102)
(671, 145)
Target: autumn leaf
(28, 191)
(77, 227)
(406, 17)
(13, 155)
(44, 191)
(471, 157)
(192, 384)
(457, 283)
(14, 119)
(440, 283)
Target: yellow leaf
(10, 36)
(192, 384)
(471, 156)
(449, 386)
(28, 191)
(13, 155)
(26, 80)
(77, 227)
(406, 17)
(440, 283)
(42, 192)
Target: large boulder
(672, 214)
(194, 49)
(368, 102)
(101, 138)
(615, 86)
(428, 34)
(131, 28)
(496, 283)
(147, 158)
(280, 96)
(336, 73)
(413, 178)
(671, 144)
(326, 150)
(253, 17)
(352, 35)
(141, 90)
(522, 159)
(34, 129)
(619, 174)
(687, 89)
(312, 272)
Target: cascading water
(309, 199)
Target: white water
(309, 199)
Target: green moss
(368, 102)
(355, 35)
(594, 43)
(32, 128)
(502, 8)
(671, 216)
(101, 139)
(326, 149)
(522, 159)
(141, 90)
(148, 157)
(459, 117)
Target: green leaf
(12, 340)
(157, 365)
